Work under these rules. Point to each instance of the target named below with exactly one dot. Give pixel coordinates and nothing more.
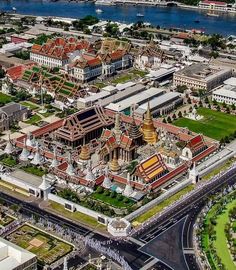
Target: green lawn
(34, 170)
(158, 208)
(9, 161)
(100, 84)
(47, 247)
(140, 73)
(76, 216)
(33, 119)
(222, 167)
(124, 78)
(215, 124)
(4, 99)
(112, 201)
(221, 241)
(47, 114)
(29, 105)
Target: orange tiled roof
(60, 47)
(196, 143)
(16, 72)
(151, 168)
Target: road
(133, 249)
(188, 209)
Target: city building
(149, 56)
(216, 5)
(132, 102)
(226, 93)
(11, 114)
(201, 76)
(160, 105)
(57, 52)
(13, 257)
(90, 66)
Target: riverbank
(165, 17)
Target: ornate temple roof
(151, 168)
(79, 124)
(196, 143)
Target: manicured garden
(34, 170)
(159, 207)
(33, 119)
(216, 125)
(29, 105)
(5, 220)
(47, 247)
(213, 234)
(111, 198)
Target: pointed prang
(128, 189)
(25, 153)
(89, 175)
(148, 113)
(54, 161)
(28, 139)
(70, 168)
(106, 182)
(9, 147)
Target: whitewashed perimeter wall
(78, 208)
(15, 181)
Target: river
(168, 17)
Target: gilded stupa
(114, 164)
(84, 154)
(148, 129)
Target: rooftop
(226, 91)
(12, 256)
(202, 71)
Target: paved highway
(131, 250)
(188, 208)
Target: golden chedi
(148, 129)
(114, 164)
(84, 154)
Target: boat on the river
(139, 15)
(197, 21)
(105, 2)
(212, 14)
(98, 10)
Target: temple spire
(89, 175)
(25, 153)
(148, 129)
(114, 164)
(9, 147)
(128, 189)
(84, 154)
(117, 127)
(37, 160)
(106, 182)
(54, 161)
(70, 168)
